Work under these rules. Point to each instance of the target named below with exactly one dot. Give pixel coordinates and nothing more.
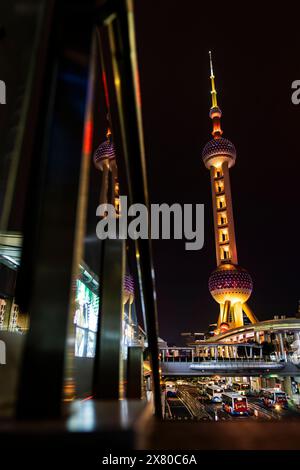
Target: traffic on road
(220, 399)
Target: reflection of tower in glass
(105, 161)
(128, 299)
(230, 285)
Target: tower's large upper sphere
(217, 151)
(105, 151)
(230, 282)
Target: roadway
(291, 413)
(177, 409)
(190, 404)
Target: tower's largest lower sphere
(230, 283)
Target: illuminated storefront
(87, 313)
(85, 320)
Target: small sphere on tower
(230, 282)
(218, 151)
(215, 112)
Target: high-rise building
(230, 285)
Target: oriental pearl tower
(105, 161)
(230, 285)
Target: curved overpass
(269, 326)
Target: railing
(197, 359)
(248, 364)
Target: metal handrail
(238, 364)
(220, 360)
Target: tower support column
(238, 315)
(221, 315)
(226, 311)
(249, 313)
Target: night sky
(256, 58)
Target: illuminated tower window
(218, 173)
(221, 202)
(222, 219)
(225, 253)
(223, 236)
(219, 186)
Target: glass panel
(21, 29)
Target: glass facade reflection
(85, 320)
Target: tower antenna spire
(211, 65)
(215, 112)
(212, 81)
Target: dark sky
(256, 58)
